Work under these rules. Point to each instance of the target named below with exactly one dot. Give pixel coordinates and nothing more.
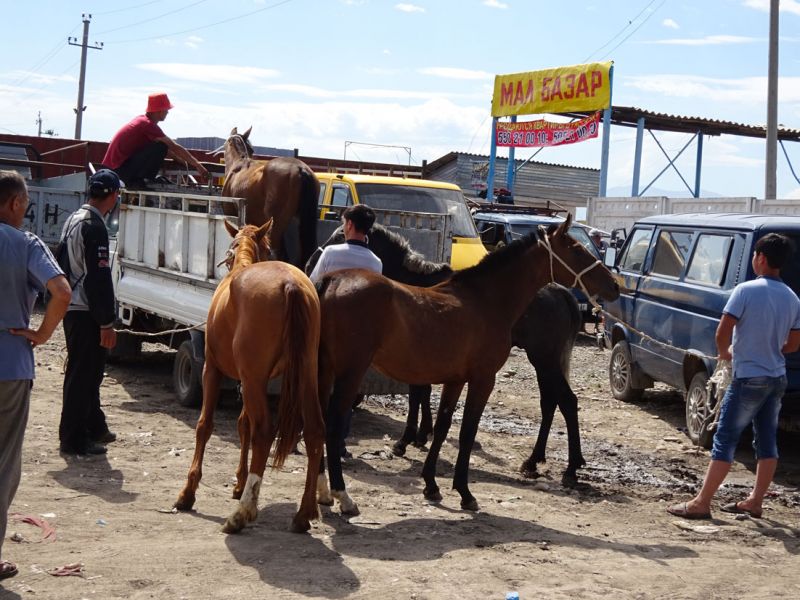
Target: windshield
(577, 232)
(420, 199)
(790, 273)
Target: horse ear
(234, 131)
(231, 228)
(246, 134)
(564, 227)
(265, 229)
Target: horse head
(236, 147)
(572, 265)
(250, 244)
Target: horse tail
(308, 213)
(574, 323)
(299, 382)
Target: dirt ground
(609, 537)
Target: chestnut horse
(279, 189)
(546, 331)
(455, 333)
(263, 322)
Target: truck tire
(699, 411)
(187, 377)
(620, 374)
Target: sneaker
(106, 438)
(90, 448)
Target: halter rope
(578, 281)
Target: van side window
(710, 259)
(672, 252)
(636, 250)
(322, 188)
(341, 196)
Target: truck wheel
(699, 410)
(186, 377)
(620, 374)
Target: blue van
(500, 225)
(676, 273)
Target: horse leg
(477, 394)
(410, 431)
(568, 405)
(548, 392)
(243, 425)
(444, 418)
(212, 378)
(324, 385)
(344, 393)
(262, 435)
(426, 419)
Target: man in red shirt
(138, 149)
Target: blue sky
(313, 74)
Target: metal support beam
(670, 163)
(510, 170)
(699, 165)
(770, 178)
(637, 157)
(606, 135)
(492, 159)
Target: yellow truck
(400, 194)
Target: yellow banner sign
(564, 89)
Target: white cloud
(363, 93)
(495, 4)
(670, 23)
(709, 40)
(455, 73)
(193, 42)
(721, 91)
(795, 193)
(32, 78)
(790, 6)
(203, 73)
(409, 8)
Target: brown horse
(455, 333)
(263, 322)
(279, 189)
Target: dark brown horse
(263, 322)
(282, 189)
(546, 331)
(455, 333)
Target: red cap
(158, 102)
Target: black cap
(103, 182)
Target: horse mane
(497, 259)
(394, 247)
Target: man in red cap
(138, 149)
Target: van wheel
(699, 411)
(620, 374)
(186, 377)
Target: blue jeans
(755, 400)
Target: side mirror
(610, 257)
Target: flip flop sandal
(682, 510)
(7, 569)
(735, 509)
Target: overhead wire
(117, 10)
(201, 27)
(647, 18)
(151, 19)
(621, 31)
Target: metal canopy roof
(628, 116)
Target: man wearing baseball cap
(137, 151)
(89, 322)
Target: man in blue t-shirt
(28, 268)
(762, 318)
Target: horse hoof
(325, 501)
(399, 449)
(529, 473)
(237, 494)
(232, 525)
(470, 504)
(569, 479)
(351, 511)
(299, 525)
(432, 495)
(476, 445)
(184, 503)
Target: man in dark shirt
(137, 151)
(89, 322)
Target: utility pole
(39, 123)
(84, 46)
(770, 179)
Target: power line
(221, 22)
(621, 31)
(44, 60)
(166, 14)
(111, 12)
(625, 39)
